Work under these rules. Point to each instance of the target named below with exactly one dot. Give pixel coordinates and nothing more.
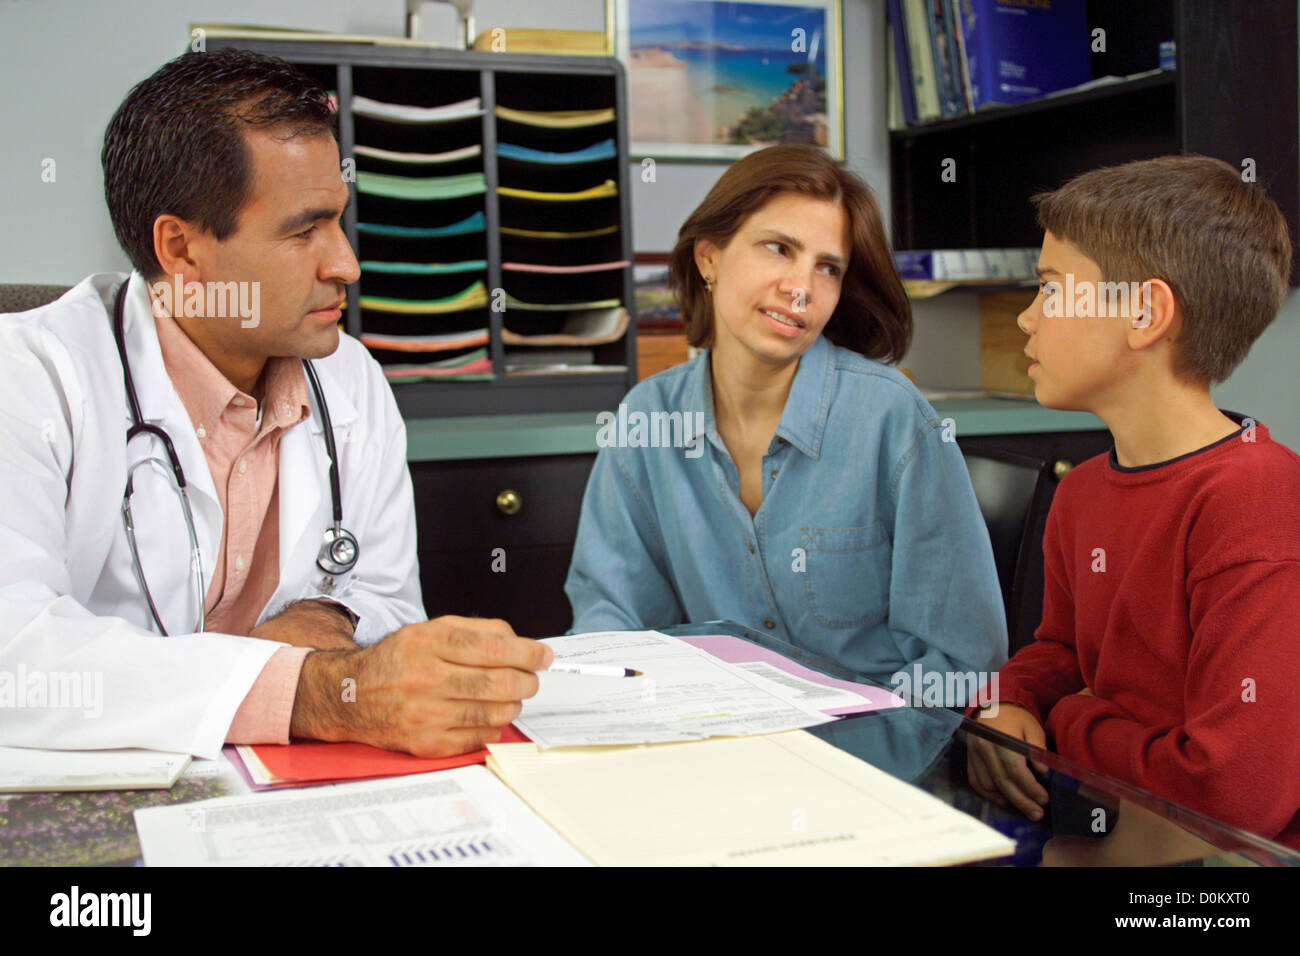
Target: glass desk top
(926, 747)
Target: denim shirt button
(769, 623)
(751, 547)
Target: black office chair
(1014, 492)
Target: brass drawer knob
(1062, 468)
(509, 502)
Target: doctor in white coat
(83, 664)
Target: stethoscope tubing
(340, 549)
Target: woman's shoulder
(672, 389)
(888, 390)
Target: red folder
(311, 761)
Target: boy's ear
(1155, 315)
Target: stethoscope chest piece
(338, 552)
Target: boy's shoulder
(1243, 488)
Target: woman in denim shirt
(785, 478)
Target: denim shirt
(869, 547)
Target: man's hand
(308, 624)
(438, 688)
(999, 775)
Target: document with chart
(463, 817)
(682, 694)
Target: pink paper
(565, 270)
(735, 650)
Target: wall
(102, 48)
(68, 63)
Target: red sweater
(1189, 637)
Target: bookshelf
(1233, 96)
(490, 214)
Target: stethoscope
(339, 548)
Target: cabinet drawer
(525, 586)
(456, 502)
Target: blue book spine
(1020, 50)
(914, 264)
(903, 60)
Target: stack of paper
(601, 191)
(785, 799)
(684, 693)
(587, 327)
(24, 769)
(404, 113)
(306, 762)
(459, 817)
(556, 119)
(473, 296)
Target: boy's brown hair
(1220, 243)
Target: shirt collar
(803, 421)
(206, 393)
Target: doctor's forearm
(309, 624)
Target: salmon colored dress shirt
(241, 442)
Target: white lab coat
(69, 601)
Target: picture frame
(656, 305)
(715, 80)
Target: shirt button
(769, 623)
(238, 400)
(239, 563)
(751, 547)
(243, 466)
(775, 472)
(201, 432)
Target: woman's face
(776, 283)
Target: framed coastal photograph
(714, 79)
(656, 305)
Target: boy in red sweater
(1169, 651)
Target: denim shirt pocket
(847, 579)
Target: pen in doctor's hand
(591, 670)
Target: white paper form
(805, 692)
(461, 817)
(683, 694)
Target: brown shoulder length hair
(873, 316)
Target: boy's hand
(999, 775)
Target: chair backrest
(1013, 492)
(20, 298)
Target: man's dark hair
(176, 144)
